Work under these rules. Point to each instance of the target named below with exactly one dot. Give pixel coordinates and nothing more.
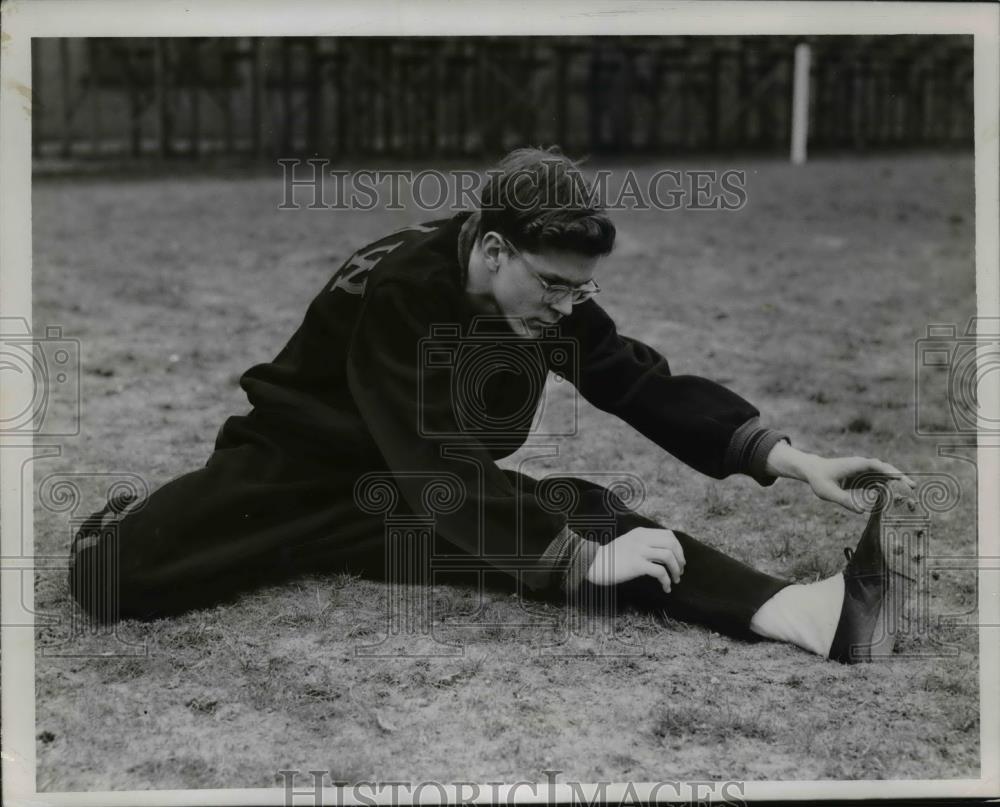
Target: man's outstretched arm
(702, 423)
(830, 478)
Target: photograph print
(490, 409)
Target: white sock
(805, 615)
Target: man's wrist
(748, 450)
(787, 461)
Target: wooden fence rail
(440, 97)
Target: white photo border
(24, 19)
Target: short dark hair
(539, 200)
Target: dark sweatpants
(221, 530)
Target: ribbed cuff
(749, 449)
(580, 561)
(565, 561)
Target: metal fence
(410, 97)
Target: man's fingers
(660, 573)
(678, 551)
(857, 465)
(668, 559)
(846, 502)
(832, 493)
(665, 539)
(871, 464)
(845, 499)
(891, 470)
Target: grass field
(808, 302)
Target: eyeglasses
(555, 293)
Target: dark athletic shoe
(873, 597)
(93, 569)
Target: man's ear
(492, 246)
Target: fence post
(229, 60)
(340, 66)
(94, 89)
(286, 98)
(387, 98)
(67, 107)
(800, 103)
(256, 98)
(196, 80)
(163, 67)
(715, 135)
(595, 97)
(314, 105)
(562, 90)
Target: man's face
(519, 284)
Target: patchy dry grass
(807, 302)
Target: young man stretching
(357, 392)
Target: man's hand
(642, 551)
(830, 479)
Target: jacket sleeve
(703, 424)
(408, 409)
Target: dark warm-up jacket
(390, 371)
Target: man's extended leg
(716, 590)
(841, 617)
(253, 515)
